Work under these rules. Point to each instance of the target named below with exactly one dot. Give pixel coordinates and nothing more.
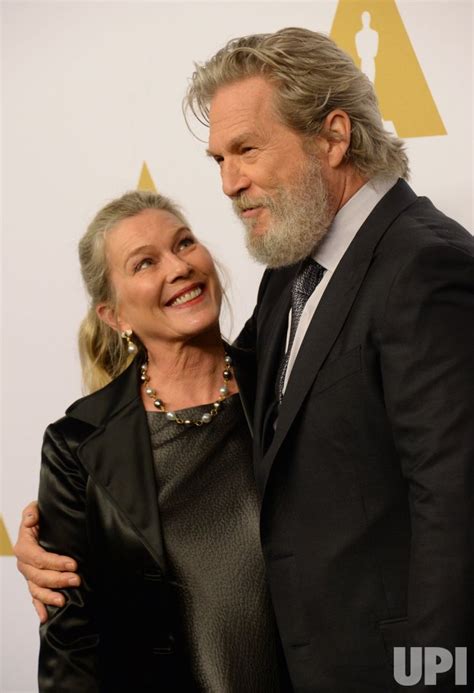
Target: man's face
(274, 180)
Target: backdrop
(91, 106)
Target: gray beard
(299, 220)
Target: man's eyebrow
(234, 144)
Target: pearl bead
(131, 348)
(171, 415)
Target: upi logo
(437, 660)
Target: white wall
(90, 91)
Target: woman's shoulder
(91, 412)
(96, 407)
(66, 434)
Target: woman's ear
(107, 314)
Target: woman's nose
(177, 268)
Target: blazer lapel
(245, 370)
(331, 314)
(119, 458)
(274, 325)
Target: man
(363, 334)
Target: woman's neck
(186, 374)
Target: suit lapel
(330, 316)
(118, 456)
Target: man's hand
(43, 571)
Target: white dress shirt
(330, 252)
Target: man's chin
(253, 228)
(276, 250)
(259, 232)
(269, 255)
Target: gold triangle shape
(403, 93)
(145, 182)
(6, 548)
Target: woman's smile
(188, 296)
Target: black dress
(210, 522)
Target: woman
(147, 482)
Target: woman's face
(165, 282)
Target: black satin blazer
(120, 631)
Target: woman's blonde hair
(313, 77)
(102, 351)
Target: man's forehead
(238, 124)
(247, 93)
(240, 110)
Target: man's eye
(143, 264)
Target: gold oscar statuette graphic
(145, 182)
(373, 33)
(5, 543)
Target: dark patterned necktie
(304, 284)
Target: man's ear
(336, 136)
(107, 314)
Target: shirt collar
(348, 221)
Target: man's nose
(234, 179)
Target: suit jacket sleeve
(69, 639)
(427, 361)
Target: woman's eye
(185, 243)
(143, 264)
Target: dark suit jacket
(367, 485)
(98, 502)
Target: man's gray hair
(313, 77)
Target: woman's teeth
(184, 298)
